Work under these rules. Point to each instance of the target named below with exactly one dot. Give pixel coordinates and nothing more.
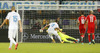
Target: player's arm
(3, 22)
(20, 24)
(45, 27)
(59, 29)
(78, 21)
(86, 22)
(95, 24)
(95, 21)
(7, 18)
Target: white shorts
(12, 33)
(52, 33)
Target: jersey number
(52, 25)
(82, 21)
(15, 18)
(91, 18)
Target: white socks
(59, 38)
(11, 42)
(51, 36)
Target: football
(41, 30)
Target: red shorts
(91, 29)
(82, 29)
(82, 36)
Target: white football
(41, 30)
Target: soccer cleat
(82, 43)
(53, 40)
(16, 46)
(93, 41)
(77, 40)
(9, 48)
(89, 43)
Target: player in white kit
(13, 18)
(51, 30)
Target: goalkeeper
(64, 37)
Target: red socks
(89, 38)
(93, 37)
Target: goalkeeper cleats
(73, 42)
(62, 41)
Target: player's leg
(82, 36)
(14, 35)
(56, 34)
(50, 35)
(10, 46)
(52, 38)
(65, 40)
(81, 30)
(12, 40)
(89, 38)
(72, 38)
(10, 36)
(89, 31)
(69, 37)
(93, 37)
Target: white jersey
(53, 26)
(13, 18)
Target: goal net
(35, 17)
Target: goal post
(30, 13)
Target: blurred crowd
(49, 0)
(43, 22)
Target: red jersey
(81, 20)
(91, 18)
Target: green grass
(51, 48)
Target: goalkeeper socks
(89, 38)
(93, 37)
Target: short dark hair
(82, 12)
(56, 20)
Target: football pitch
(51, 48)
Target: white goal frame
(58, 8)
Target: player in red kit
(92, 24)
(81, 22)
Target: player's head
(13, 8)
(56, 21)
(91, 11)
(82, 12)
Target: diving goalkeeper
(64, 37)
